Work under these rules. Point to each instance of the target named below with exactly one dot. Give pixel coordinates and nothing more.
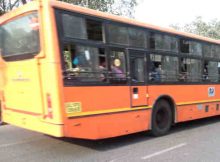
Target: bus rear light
(49, 107)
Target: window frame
(163, 34)
(30, 55)
(197, 55)
(149, 67)
(108, 46)
(58, 15)
(76, 83)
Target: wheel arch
(172, 104)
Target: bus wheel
(161, 118)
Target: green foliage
(199, 26)
(117, 7)
(7, 5)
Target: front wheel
(161, 118)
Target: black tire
(161, 118)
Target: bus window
(190, 47)
(137, 38)
(216, 51)
(190, 70)
(213, 73)
(184, 69)
(195, 70)
(20, 37)
(184, 46)
(137, 70)
(164, 68)
(207, 50)
(74, 27)
(170, 65)
(118, 65)
(205, 71)
(81, 28)
(118, 34)
(196, 48)
(84, 63)
(156, 72)
(163, 42)
(94, 30)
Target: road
(191, 141)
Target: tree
(199, 26)
(117, 7)
(7, 5)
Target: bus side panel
(197, 111)
(107, 125)
(183, 94)
(98, 98)
(193, 101)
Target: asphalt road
(191, 141)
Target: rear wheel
(161, 118)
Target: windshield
(20, 36)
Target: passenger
(205, 74)
(76, 64)
(116, 70)
(102, 68)
(158, 73)
(183, 76)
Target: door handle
(135, 90)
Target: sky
(166, 12)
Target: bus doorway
(138, 73)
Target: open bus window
(156, 72)
(184, 69)
(163, 68)
(118, 66)
(205, 71)
(184, 46)
(190, 70)
(94, 30)
(84, 63)
(190, 47)
(81, 28)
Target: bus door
(137, 60)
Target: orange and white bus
(69, 71)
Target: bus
(69, 71)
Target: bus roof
(91, 12)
